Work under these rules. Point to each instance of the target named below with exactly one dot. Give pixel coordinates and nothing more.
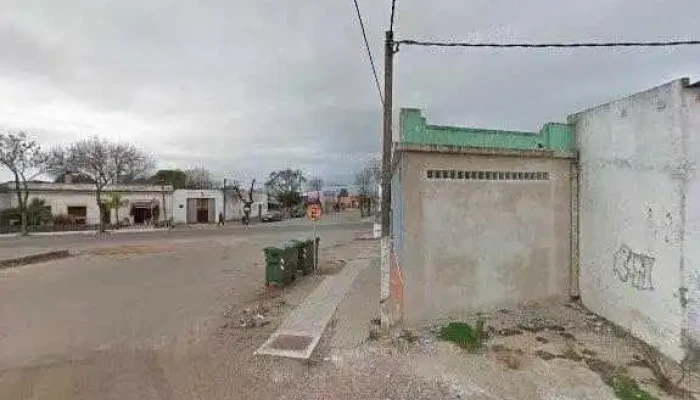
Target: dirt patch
(133, 249)
(34, 259)
(291, 342)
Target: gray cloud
(246, 87)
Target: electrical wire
(549, 45)
(369, 52)
(393, 11)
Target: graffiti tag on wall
(633, 268)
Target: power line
(549, 45)
(393, 11)
(369, 52)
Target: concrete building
(639, 213)
(197, 206)
(142, 203)
(481, 218)
(606, 207)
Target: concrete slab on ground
(306, 324)
(357, 310)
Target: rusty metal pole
(386, 178)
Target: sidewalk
(359, 307)
(301, 331)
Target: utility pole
(385, 245)
(224, 208)
(387, 136)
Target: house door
(191, 211)
(204, 210)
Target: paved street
(130, 295)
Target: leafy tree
(115, 202)
(103, 161)
(315, 183)
(38, 213)
(24, 159)
(285, 185)
(343, 193)
(173, 177)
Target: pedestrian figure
(221, 220)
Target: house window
(78, 214)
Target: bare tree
(247, 202)
(315, 184)
(105, 162)
(364, 180)
(199, 178)
(24, 159)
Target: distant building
(143, 204)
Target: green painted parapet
(552, 136)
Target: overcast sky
(243, 87)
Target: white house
(142, 204)
(197, 206)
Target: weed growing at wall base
(626, 388)
(462, 334)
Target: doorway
(200, 211)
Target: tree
(247, 202)
(38, 213)
(364, 181)
(115, 202)
(105, 162)
(367, 181)
(24, 159)
(285, 186)
(173, 177)
(315, 184)
(343, 193)
(199, 178)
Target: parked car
(298, 212)
(272, 216)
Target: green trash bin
(303, 255)
(290, 258)
(312, 246)
(277, 264)
(309, 249)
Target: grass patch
(626, 388)
(461, 334)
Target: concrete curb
(34, 259)
(70, 233)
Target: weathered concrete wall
(471, 244)
(691, 247)
(633, 190)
